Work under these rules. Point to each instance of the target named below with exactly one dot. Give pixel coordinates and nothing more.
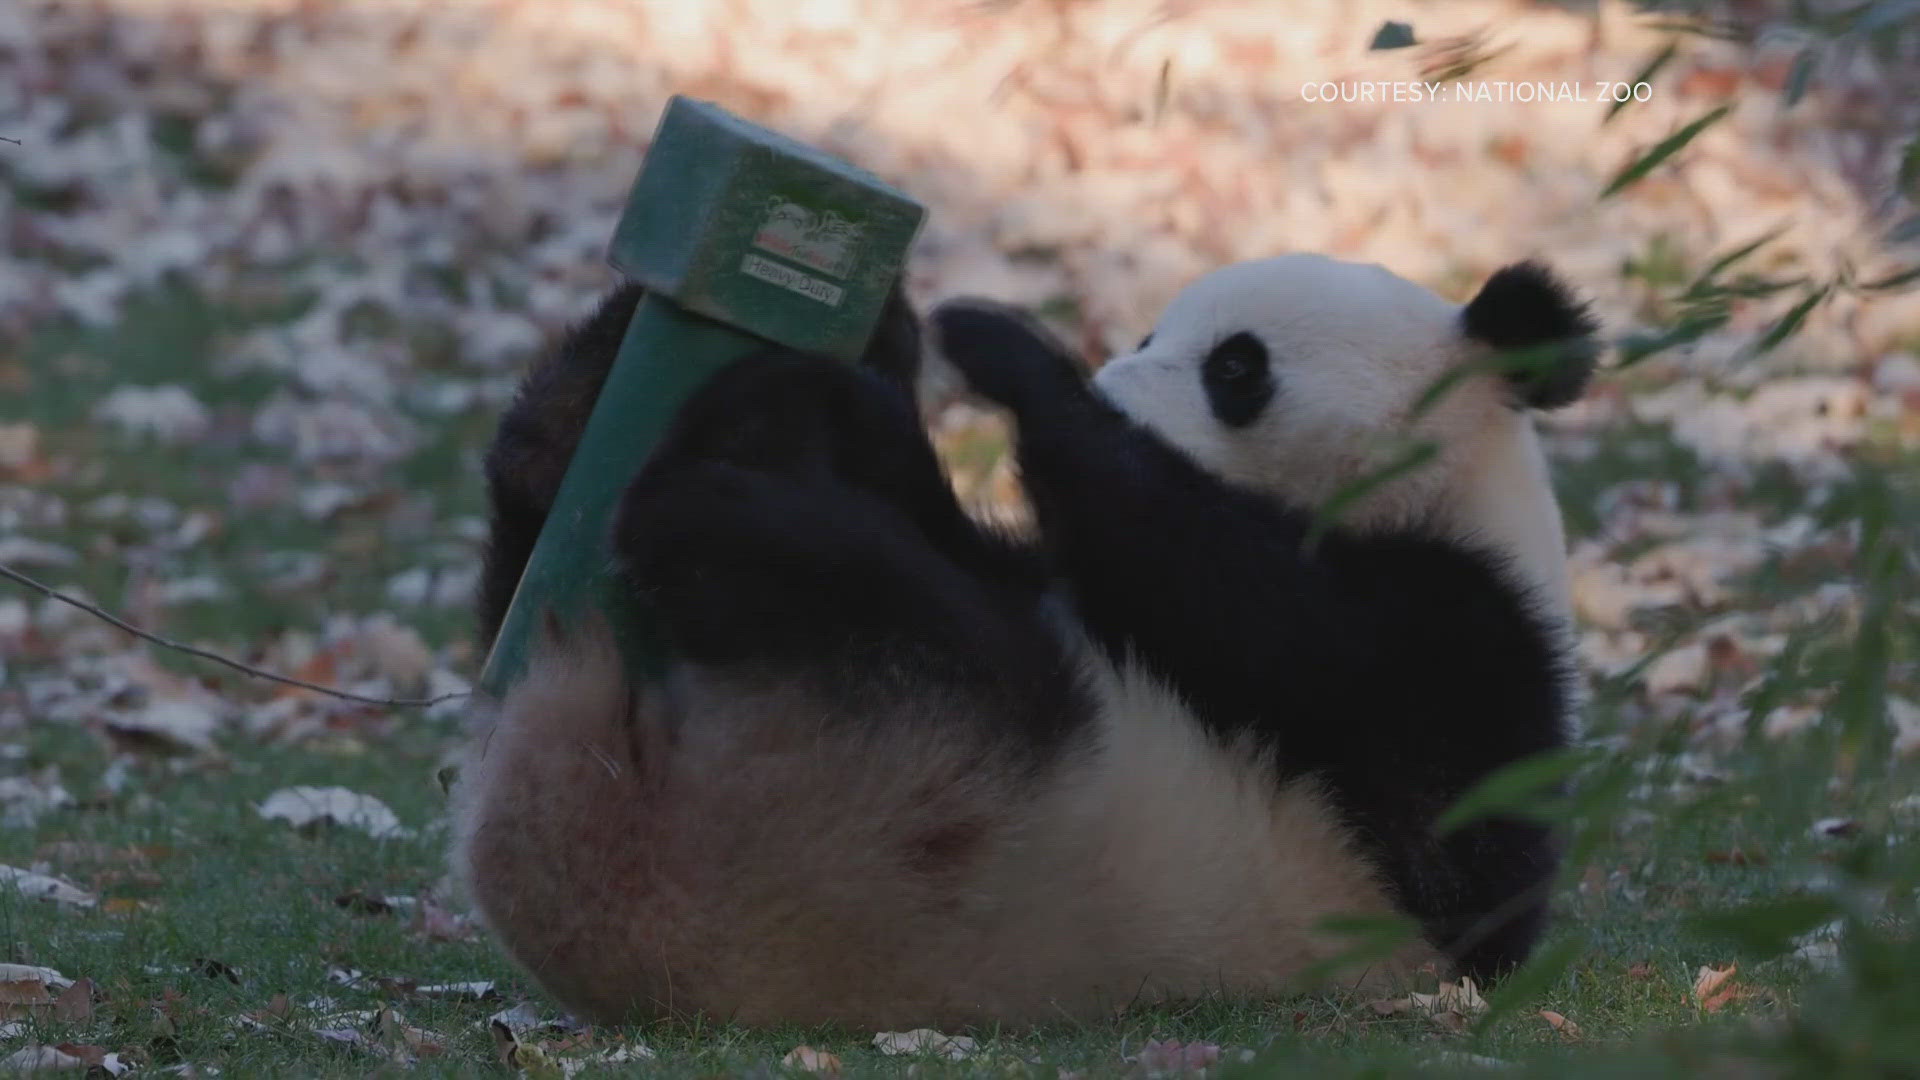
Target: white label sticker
(787, 277)
(821, 239)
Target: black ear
(1524, 309)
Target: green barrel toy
(742, 237)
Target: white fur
(1353, 348)
(733, 851)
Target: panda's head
(1301, 374)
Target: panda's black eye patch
(1238, 380)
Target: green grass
(217, 882)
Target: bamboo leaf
(1392, 35)
(1413, 457)
(1885, 15)
(1663, 150)
(1162, 89)
(1530, 981)
(1698, 27)
(1908, 177)
(1637, 347)
(1800, 75)
(1767, 928)
(1791, 321)
(1511, 788)
(1713, 269)
(1887, 284)
(1369, 939)
(1645, 74)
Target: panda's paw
(1006, 355)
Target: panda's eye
(1238, 381)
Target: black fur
(796, 521)
(1398, 667)
(794, 525)
(1523, 308)
(538, 432)
(1238, 380)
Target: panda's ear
(1525, 310)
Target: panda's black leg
(811, 419)
(814, 578)
(1481, 893)
(535, 442)
(539, 431)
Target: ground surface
(270, 268)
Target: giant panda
(906, 770)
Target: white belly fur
(755, 868)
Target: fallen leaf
(46, 887)
(74, 1005)
(1714, 987)
(807, 1059)
(19, 448)
(1463, 997)
(1173, 1058)
(95, 1057)
(32, 1059)
(436, 923)
(166, 726)
(362, 904)
(216, 969)
(1450, 1021)
(307, 808)
(464, 991)
(1904, 715)
(166, 414)
(924, 1041)
(24, 800)
(1560, 1023)
(1683, 669)
(25, 986)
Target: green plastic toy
(741, 237)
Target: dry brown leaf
(33, 1059)
(1640, 970)
(1173, 1058)
(436, 923)
(308, 807)
(1835, 826)
(27, 992)
(924, 1041)
(1463, 997)
(807, 1059)
(46, 887)
(1714, 987)
(75, 1004)
(1561, 1024)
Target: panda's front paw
(1006, 356)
